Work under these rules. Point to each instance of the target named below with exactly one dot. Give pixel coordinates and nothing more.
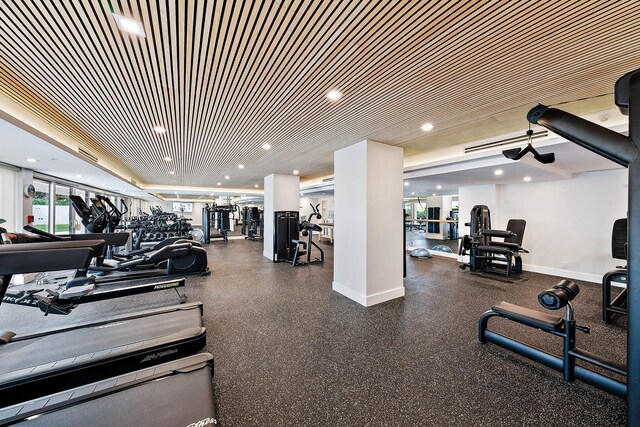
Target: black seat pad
(511, 246)
(495, 250)
(526, 316)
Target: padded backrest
(516, 226)
(619, 239)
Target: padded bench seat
(526, 316)
(508, 245)
(495, 250)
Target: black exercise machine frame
(562, 327)
(624, 151)
(307, 228)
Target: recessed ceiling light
(227, 177)
(104, 185)
(413, 194)
(175, 192)
(240, 166)
(498, 172)
(211, 194)
(167, 159)
(433, 194)
(526, 179)
(219, 183)
(266, 146)
(296, 172)
(406, 183)
(426, 127)
(129, 25)
(159, 129)
(257, 186)
(30, 160)
(78, 176)
(439, 187)
(334, 95)
(172, 172)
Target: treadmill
(175, 257)
(79, 370)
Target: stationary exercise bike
(307, 228)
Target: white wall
(8, 197)
(568, 221)
(477, 195)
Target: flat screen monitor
(183, 207)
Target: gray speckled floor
(291, 352)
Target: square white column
(369, 222)
(281, 193)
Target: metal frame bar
(624, 151)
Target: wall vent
(503, 142)
(88, 155)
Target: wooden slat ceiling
(226, 77)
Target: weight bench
(553, 299)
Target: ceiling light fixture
(426, 127)
(227, 177)
(439, 187)
(172, 172)
(159, 129)
(78, 176)
(103, 184)
(30, 160)
(241, 166)
(211, 194)
(526, 179)
(296, 172)
(334, 95)
(498, 172)
(167, 159)
(413, 194)
(129, 25)
(433, 194)
(406, 183)
(266, 146)
(219, 183)
(257, 186)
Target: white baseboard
(561, 272)
(368, 300)
(374, 299)
(267, 255)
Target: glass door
(40, 205)
(62, 213)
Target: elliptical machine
(307, 228)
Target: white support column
(281, 193)
(368, 249)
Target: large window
(40, 204)
(62, 214)
(52, 209)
